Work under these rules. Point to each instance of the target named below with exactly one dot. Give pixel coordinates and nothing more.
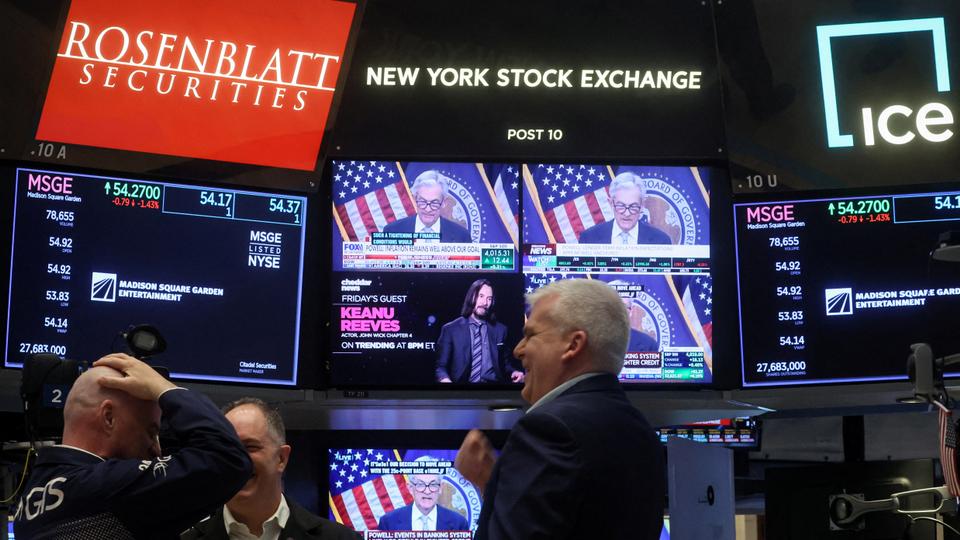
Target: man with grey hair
(581, 440)
(627, 197)
(260, 510)
(429, 191)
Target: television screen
(645, 231)
(404, 328)
(731, 432)
(424, 258)
(386, 493)
(836, 288)
(217, 271)
(425, 216)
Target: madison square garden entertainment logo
(225, 80)
(103, 287)
(839, 301)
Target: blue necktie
(476, 364)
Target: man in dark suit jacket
(582, 462)
(260, 508)
(627, 196)
(429, 190)
(457, 360)
(426, 490)
(401, 519)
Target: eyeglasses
(423, 204)
(432, 487)
(624, 209)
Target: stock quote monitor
(730, 432)
(217, 271)
(836, 289)
(644, 230)
(425, 258)
(381, 491)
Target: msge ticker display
(217, 271)
(836, 289)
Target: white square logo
(839, 301)
(103, 287)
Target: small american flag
(948, 451)
(571, 198)
(358, 497)
(367, 195)
(506, 188)
(696, 291)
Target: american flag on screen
(367, 195)
(696, 292)
(570, 198)
(948, 451)
(358, 498)
(506, 188)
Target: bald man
(109, 479)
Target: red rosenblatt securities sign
(227, 80)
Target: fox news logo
(103, 287)
(929, 121)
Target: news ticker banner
(215, 80)
(873, 91)
(217, 271)
(374, 213)
(385, 326)
(837, 289)
(671, 321)
(367, 484)
(538, 79)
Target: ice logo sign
(931, 119)
(103, 287)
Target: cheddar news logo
(214, 80)
(927, 121)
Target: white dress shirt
(271, 527)
(420, 227)
(632, 234)
(417, 524)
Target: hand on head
(139, 379)
(112, 409)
